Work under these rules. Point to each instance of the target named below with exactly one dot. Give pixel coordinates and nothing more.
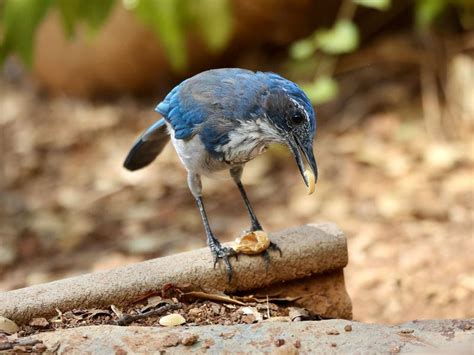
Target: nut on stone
(172, 320)
(252, 243)
(311, 180)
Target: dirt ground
(404, 199)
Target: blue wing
(224, 94)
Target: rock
(280, 342)
(428, 336)
(189, 339)
(8, 326)
(310, 271)
(39, 322)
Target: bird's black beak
(299, 149)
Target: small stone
(189, 339)
(333, 345)
(39, 348)
(22, 349)
(297, 344)
(120, 351)
(280, 342)
(248, 318)
(406, 331)
(348, 328)
(8, 326)
(332, 332)
(172, 320)
(215, 308)
(467, 327)
(170, 340)
(229, 335)
(395, 349)
(39, 323)
(194, 311)
(208, 343)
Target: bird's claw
(220, 252)
(274, 246)
(266, 254)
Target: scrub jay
(222, 118)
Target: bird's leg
(236, 174)
(217, 250)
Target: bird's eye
(297, 118)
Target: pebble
(280, 342)
(39, 323)
(189, 339)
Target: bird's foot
(266, 254)
(256, 242)
(220, 252)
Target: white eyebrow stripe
(300, 107)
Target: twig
(130, 318)
(19, 342)
(268, 309)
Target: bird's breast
(248, 140)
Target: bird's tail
(148, 146)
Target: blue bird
(219, 120)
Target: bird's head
(291, 114)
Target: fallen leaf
(96, 312)
(277, 319)
(263, 299)
(153, 302)
(210, 296)
(58, 318)
(297, 314)
(252, 311)
(116, 311)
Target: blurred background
(393, 86)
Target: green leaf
(375, 4)
(69, 11)
(20, 19)
(427, 11)
(94, 13)
(214, 21)
(324, 89)
(342, 38)
(303, 49)
(166, 19)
